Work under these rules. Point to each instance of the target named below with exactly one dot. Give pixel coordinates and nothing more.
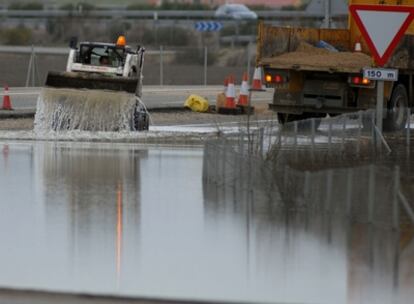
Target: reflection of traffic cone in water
(257, 80)
(6, 150)
(358, 47)
(5, 154)
(230, 94)
(6, 99)
(244, 92)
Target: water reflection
(315, 257)
(126, 219)
(119, 216)
(98, 189)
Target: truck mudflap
(74, 80)
(300, 109)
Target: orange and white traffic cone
(358, 46)
(244, 92)
(226, 83)
(6, 99)
(230, 94)
(257, 80)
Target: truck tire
(397, 109)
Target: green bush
(299, 7)
(16, 36)
(29, 6)
(259, 7)
(72, 7)
(183, 6)
(141, 7)
(168, 6)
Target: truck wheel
(397, 110)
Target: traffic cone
(257, 80)
(230, 94)
(226, 83)
(244, 92)
(358, 47)
(6, 99)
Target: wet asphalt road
(153, 96)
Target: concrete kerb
(30, 113)
(14, 296)
(20, 113)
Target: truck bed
(294, 48)
(310, 58)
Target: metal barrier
(163, 65)
(153, 14)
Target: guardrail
(19, 91)
(57, 50)
(154, 14)
(15, 91)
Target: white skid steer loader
(111, 67)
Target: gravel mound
(308, 57)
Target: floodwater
(135, 220)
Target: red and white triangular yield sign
(382, 27)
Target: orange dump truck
(317, 71)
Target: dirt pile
(305, 47)
(308, 57)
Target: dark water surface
(135, 220)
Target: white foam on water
(195, 129)
(98, 136)
(154, 135)
(89, 110)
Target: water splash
(86, 110)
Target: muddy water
(136, 220)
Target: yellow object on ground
(196, 103)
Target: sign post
(382, 27)
(380, 75)
(380, 106)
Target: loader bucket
(73, 80)
(85, 110)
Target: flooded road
(136, 220)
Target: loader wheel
(141, 120)
(397, 110)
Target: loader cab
(101, 54)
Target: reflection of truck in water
(317, 71)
